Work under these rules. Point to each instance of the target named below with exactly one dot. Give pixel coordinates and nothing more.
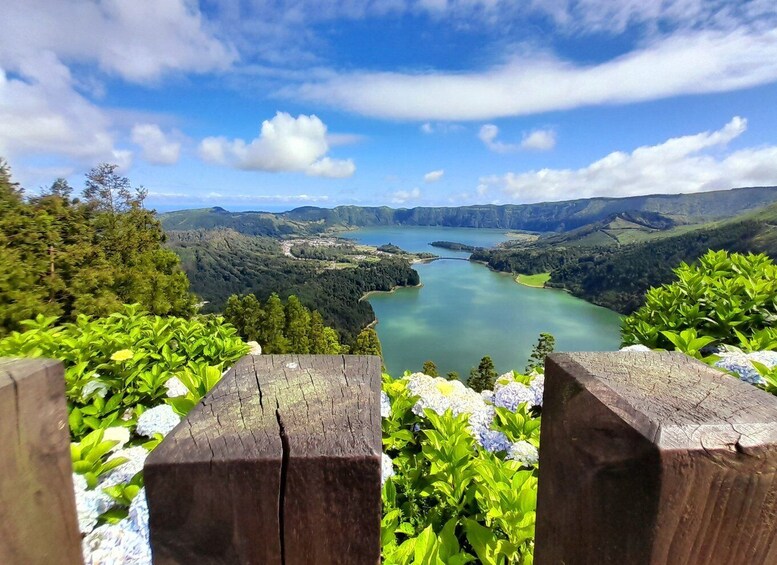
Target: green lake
(464, 310)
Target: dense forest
(617, 276)
(63, 256)
(222, 262)
(541, 217)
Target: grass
(536, 281)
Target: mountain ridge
(558, 216)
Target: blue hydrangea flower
(89, 503)
(135, 456)
(493, 440)
(137, 520)
(512, 394)
(739, 364)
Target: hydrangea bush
(459, 470)
(129, 378)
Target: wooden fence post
(654, 458)
(279, 464)
(38, 521)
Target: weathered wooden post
(280, 463)
(38, 522)
(654, 458)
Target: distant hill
(617, 276)
(542, 217)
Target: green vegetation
(282, 329)
(367, 343)
(453, 246)
(62, 257)
(536, 281)
(723, 299)
(483, 377)
(429, 368)
(619, 276)
(544, 347)
(456, 491)
(221, 263)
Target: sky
(274, 104)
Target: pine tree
(246, 314)
(271, 337)
(541, 349)
(367, 343)
(297, 326)
(430, 369)
(484, 377)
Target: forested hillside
(542, 217)
(618, 276)
(221, 263)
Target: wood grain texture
(280, 463)
(38, 521)
(654, 458)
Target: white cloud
(688, 62)
(332, 168)
(441, 127)
(139, 40)
(41, 112)
(434, 176)
(404, 196)
(221, 198)
(538, 140)
(157, 148)
(285, 143)
(692, 163)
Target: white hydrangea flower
(386, 468)
(175, 388)
(439, 395)
(94, 387)
(385, 405)
(768, 358)
(89, 503)
(636, 347)
(488, 395)
(115, 544)
(158, 420)
(135, 456)
(116, 433)
(138, 515)
(524, 452)
(255, 348)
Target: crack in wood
(284, 476)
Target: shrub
(724, 298)
(119, 366)
(460, 472)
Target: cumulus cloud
(41, 112)
(538, 140)
(441, 127)
(285, 143)
(692, 163)
(404, 196)
(139, 40)
(434, 176)
(157, 148)
(690, 62)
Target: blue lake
(464, 310)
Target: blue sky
(272, 104)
